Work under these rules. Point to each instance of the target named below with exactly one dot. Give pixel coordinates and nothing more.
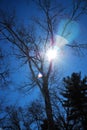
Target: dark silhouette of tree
(31, 46)
(44, 125)
(27, 118)
(36, 113)
(4, 71)
(13, 120)
(3, 115)
(75, 101)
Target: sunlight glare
(51, 54)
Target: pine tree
(75, 101)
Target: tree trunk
(48, 106)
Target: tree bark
(48, 105)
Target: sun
(51, 54)
(54, 52)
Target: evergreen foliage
(75, 100)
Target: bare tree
(4, 71)
(36, 114)
(32, 45)
(26, 118)
(12, 121)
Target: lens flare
(60, 41)
(40, 75)
(68, 29)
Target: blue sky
(70, 62)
